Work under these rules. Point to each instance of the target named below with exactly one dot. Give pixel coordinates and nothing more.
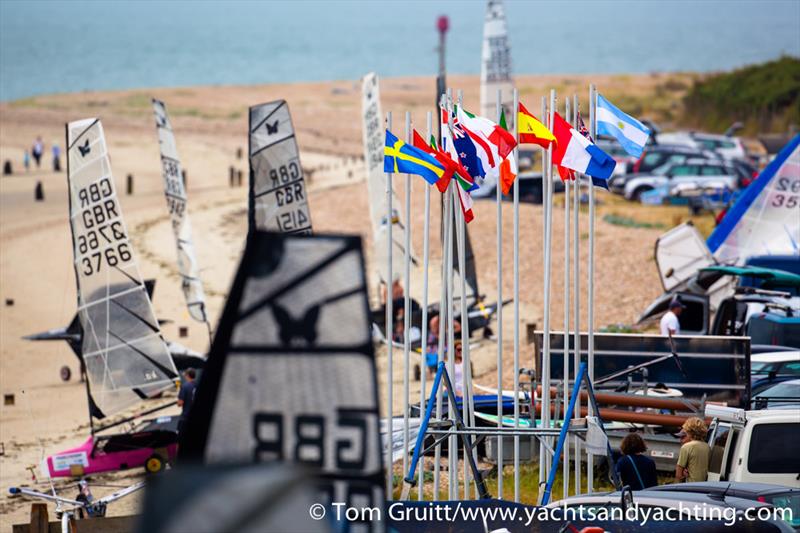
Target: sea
(70, 46)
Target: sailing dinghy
(175, 193)
(124, 356)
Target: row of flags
(475, 149)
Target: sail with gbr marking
(765, 220)
(278, 199)
(291, 373)
(125, 356)
(374, 138)
(496, 63)
(175, 192)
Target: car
(777, 495)
(616, 151)
(659, 154)
(753, 446)
(152, 444)
(727, 146)
(693, 172)
(691, 505)
(767, 369)
(782, 395)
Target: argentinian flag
(630, 133)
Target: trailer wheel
(154, 464)
(65, 373)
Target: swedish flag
(400, 157)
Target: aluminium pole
(590, 295)
(466, 365)
(577, 296)
(499, 440)
(565, 353)
(452, 447)
(515, 132)
(425, 260)
(539, 372)
(406, 305)
(548, 257)
(389, 324)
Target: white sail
(175, 193)
(124, 353)
(373, 135)
(278, 199)
(765, 220)
(496, 63)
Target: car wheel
(637, 194)
(154, 464)
(65, 373)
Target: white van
(757, 446)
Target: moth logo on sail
(272, 129)
(304, 328)
(85, 149)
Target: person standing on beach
(186, 397)
(56, 158)
(26, 160)
(635, 469)
(694, 455)
(669, 322)
(37, 151)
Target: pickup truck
(755, 446)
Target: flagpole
(425, 259)
(547, 278)
(466, 365)
(499, 197)
(406, 305)
(452, 447)
(515, 132)
(577, 296)
(565, 353)
(389, 324)
(539, 371)
(592, 129)
(442, 317)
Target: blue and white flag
(630, 133)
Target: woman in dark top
(634, 469)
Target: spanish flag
(531, 131)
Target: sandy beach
(210, 125)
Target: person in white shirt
(459, 368)
(669, 322)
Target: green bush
(765, 98)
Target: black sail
(291, 373)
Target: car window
(718, 449)
(763, 368)
(769, 453)
(782, 390)
(792, 368)
(790, 500)
(652, 158)
(683, 170)
(706, 143)
(726, 144)
(712, 171)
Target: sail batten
(278, 200)
(122, 347)
(175, 193)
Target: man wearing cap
(694, 455)
(669, 322)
